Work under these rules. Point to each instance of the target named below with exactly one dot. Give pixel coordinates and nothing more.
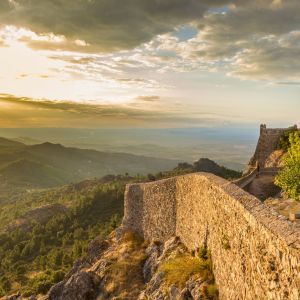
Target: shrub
(284, 141)
(179, 269)
(41, 284)
(151, 177)
(211, 292)
(289, 178)
(58, 276)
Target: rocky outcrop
(156, 286)
(80, 283)
(275, 159)
(128, 268)
(286, 207)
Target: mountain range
(27, 167)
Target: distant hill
(31, 173)
(10, 143)
(207, 165)
(45, 165)
(27, 140)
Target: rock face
(286, 207)
(156, 286)
(80, 283)
(255, 251)
(275, 159)
(102, 276)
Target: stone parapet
(255, 251)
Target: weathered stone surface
(275, 159)
(156, 287)
(14, 297)
(81, 286)
(255, 252)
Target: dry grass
(125, 276)
(179, 269)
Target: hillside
(35, 229)
(26, 167)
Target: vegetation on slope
(124, 276)
(32, 260)
(284, 141)
(27, 167)
(42, 234)
(289, 178)
(179, 269)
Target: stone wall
(256, 252)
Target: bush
(41, 283)
(58, 276)
(289, 178)
(179, 269)
(284, 141)
(211, 292)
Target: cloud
(26, 112)
(269, 58)
(100, 25)
(73, 107)
(293, 83)
(258, 40)
(148, 98)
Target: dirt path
(263, 187)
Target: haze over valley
(228, 146)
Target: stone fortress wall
(255, 251)
(267, 143)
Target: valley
(25, 168)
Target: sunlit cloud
(29, 112)
(176, 55)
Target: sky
(149, 63)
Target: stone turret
(266, 145)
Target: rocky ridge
(126, 267)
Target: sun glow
(33, 73)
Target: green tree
(284, 141)
(58, 276)
(289, 178)
(5, 284)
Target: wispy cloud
(148, 98)
(294, 83)
(30, 112)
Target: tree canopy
(289, 178)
